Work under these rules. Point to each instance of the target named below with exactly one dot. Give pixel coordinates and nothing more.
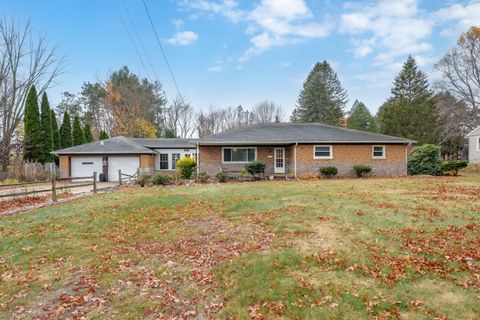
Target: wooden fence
(53, 189)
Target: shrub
(143, 180)
(222, 175)
(425, 160)
(160, 179)
(255, 168)
(243, 174)
(362, 170)
(202, 177)
(453, 166)
(328, 172)
(186, 167)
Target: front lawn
(357, 248)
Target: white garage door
(128, 165)
(85, 166)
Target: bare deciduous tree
(460, 69)
(180, 118)
(267, 111)
(24, 61)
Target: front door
(279, 160)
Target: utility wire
(134, 45)
(140, 41)
(163, 52)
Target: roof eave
(217, 143)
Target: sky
(232, 52)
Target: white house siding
(474, 148)
(181, 152)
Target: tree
(55, 132)
(322, 98)
(103, 135)
(24, 61)
(179, 119)
(266, 111)
(77, 132)
(410, 112)
(66, 139)
(47, 129)
(460, 69)
(361, 119)
(33, 149)
(87, 133)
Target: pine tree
(87, 133)
(66, 139)
(33, 149)
(77, 132)
(103, 135)
(411, 111)
(55, 132)
(322, 98)
(46, 119)
(361, 119)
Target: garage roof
(116, 145)
(166, 143)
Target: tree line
(440, 114)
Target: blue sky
(227, 52)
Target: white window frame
(478, 143)
(226, 162)
(322, 157)
(384, 152)
(160, 161)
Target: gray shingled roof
(116, 145)
(297, 132)
(165, 143)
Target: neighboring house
(289, 149)
(297, 149)
(126, 154)
(474, 146)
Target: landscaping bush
(256, 168)
(143, 180)
(222, 175)
(328, 172)
(362, 170)
(425, 160)
(202, 177)
(186, 166)
(160, 179)
(453, 166)
(242, 175)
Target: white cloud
(227, 8)
(464, 16)
(286, 64)
(216, 69)
(183, 38)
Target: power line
(161, 48)
(140, 41)
(134, 45)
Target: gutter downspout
(295, 159)
(198, 159)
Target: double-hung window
(322, 152)
(163, 161)
(478, 143)
(239, 155)
(175, 157)
(378, 152)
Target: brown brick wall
(64, 165)
(344, 158)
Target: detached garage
(106, 157)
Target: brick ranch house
(289, 149)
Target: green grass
(349, 248)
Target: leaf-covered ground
(405, 248)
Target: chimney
(277, 119)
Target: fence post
(54, 190)
(119, 177)
(94, 182)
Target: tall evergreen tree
(33, 149)
(77, 132)
(55, 131)
(322, 98)
(410, 112)
(87, 133)
(66, 139)
(361, 119)
(103, 135)
(47, 130)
